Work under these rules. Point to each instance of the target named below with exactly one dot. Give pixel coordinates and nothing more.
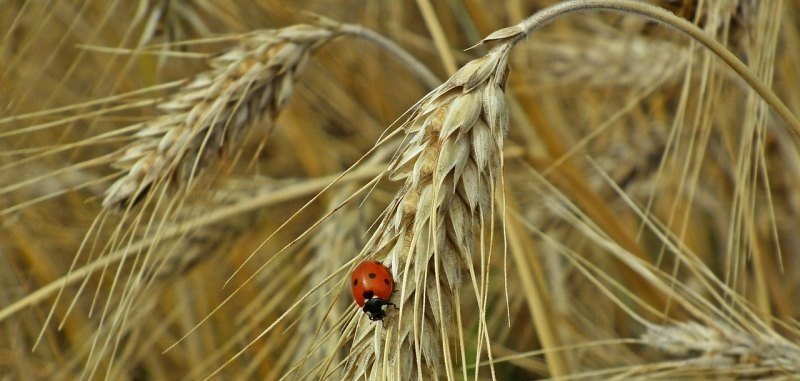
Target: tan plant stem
(414, 65)
(439, 38)
(661, 16)
(531, 274)
(211, 113)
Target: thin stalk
(414, 65)
(666, 18)
(439, 38)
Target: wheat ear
(723, 347)
(210, 113)
(450, 163)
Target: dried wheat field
(577, 190)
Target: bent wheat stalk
(651, 12)
(450, 163)
(209, 114)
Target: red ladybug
(372, 287)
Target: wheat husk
(210, 114)
(450, 166)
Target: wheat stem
(517, 32)
(414, 65)
(439, 38)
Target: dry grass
(184, 187)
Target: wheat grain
(721, 346)
(450, 164)
(210, 113)
(604, 61)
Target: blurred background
(650, 197)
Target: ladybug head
(375, 308)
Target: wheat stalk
(210, 113)
(450, 164)
(659, 15)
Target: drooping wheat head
(210, 114)
(722, 348)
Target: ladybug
(372, 287)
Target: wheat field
(578, 190)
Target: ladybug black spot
(385, 281)
(355, 282)
(368, 294)
(372, 275)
